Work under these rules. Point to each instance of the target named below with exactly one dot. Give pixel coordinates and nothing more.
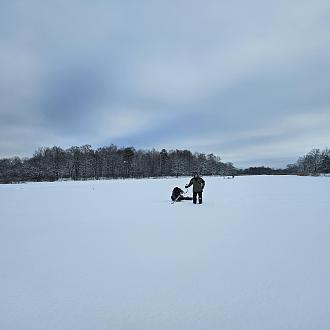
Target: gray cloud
(209, 76)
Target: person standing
(198, 185)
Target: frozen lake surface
(118, 255)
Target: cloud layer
(247, 81)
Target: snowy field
(118, 255)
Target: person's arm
(203, 183)
(189, 184)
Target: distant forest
(316, 162)
(82, 163)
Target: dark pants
(200, 197)
(180, 198)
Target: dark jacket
(176, 193)
(197, 183)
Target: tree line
(262, 170)
(82, 163)
(315, 162)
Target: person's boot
(199, 200)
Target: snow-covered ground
(118, 255)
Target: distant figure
(177, 195)
(229, 177)
(198, 185)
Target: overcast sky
(246, 80)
